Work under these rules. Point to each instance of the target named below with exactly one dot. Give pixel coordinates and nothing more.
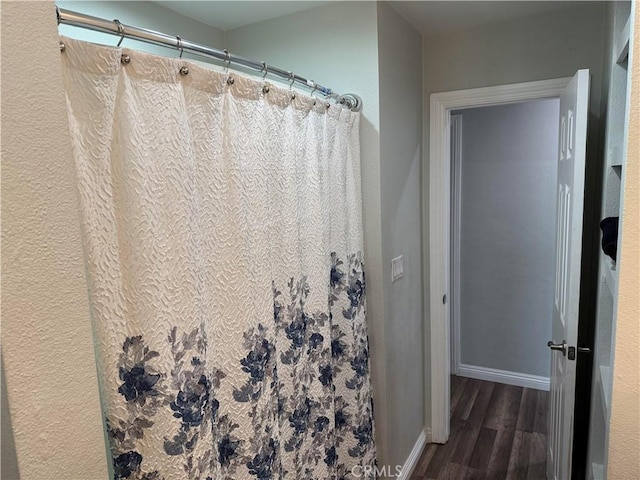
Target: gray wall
(400, 152)
(539, 47)
(361, 47)
(507, 235)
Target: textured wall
(47, 347)
(624, 436)
(399, 53)
(507, 235)
(539, 47)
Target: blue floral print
(261, 465)
(227, 449)
(191, 405)
(126, 463)
(326, 375)
(137, 383)
(304, 385)
(257, 360)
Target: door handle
(561, 347)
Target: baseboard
(427, 433)
(412, 461)
(504, 376)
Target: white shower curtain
(223, 237)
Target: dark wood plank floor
(497, 432)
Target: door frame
(456, 226)
(437, 249)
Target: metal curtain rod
(68, 17)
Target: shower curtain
(223, 240)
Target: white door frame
(438, 333)
(454, 276)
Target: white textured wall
(624, 435)
(43, 275)
(47, 348)
(539, 47)
(507, 235)
(400, 65)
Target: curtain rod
(115, 27)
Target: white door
(574, 105)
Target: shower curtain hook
(179, 41)
(120, 30)
(292, 77)
(315, 87)
(227, 59)
(265, 67)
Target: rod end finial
(352, 101)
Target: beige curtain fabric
(223, 237)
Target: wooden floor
(497, 432)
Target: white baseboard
(412, 461)
(504, 376)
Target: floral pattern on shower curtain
(222, 229)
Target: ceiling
(428, 17)
(431, 17)
(227, 15)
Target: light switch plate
(397, 268)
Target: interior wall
(507, 235)
(624, 431)
(400, 75)
(8, 458)
(27, 358)
(539, 47)
(47, 345)
(142, 14)
(613, 105)
(340, 51)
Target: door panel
(574, 104)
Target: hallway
(497, 432)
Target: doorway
(438, 336)
(503, 184)
(573, 113)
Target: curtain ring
(120, 30)
(292, 77)
(179, 42)
(227, 59)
